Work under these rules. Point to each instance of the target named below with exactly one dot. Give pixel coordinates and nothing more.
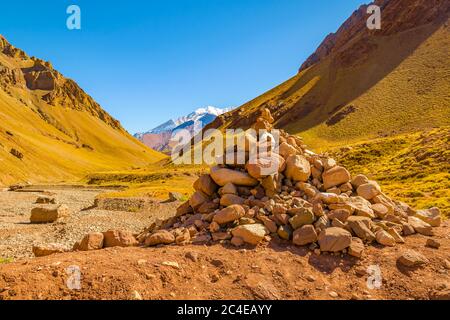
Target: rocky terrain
(307, 230)
(18, 235)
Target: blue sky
(146, 61)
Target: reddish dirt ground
(272, 271)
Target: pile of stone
(308, 200)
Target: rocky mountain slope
(159, 137)
(361, 83)
(51, 130)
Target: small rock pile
(308, 200)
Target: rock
(304, 235)
(175, 196)
(197, 199)
(48, 249)
(433, 244)
(285, 232)
(356, 248)
(329, 198)
(172, 264)
(286, 150)
(420, 226)
(231, 199)
(380, 210)
(306, 216)
(340, 214)
(135, 295)
(297, 168)
(369, 190)
(431, 216)
(206, 185)
(250, 233)
(268, 223)
(334, 239)
(220, 236)
(229, 214)
(49, 213)
(335, 177)
(214, 227)
(91, 241)
(237, 241)
(359, 180)
(182, 236)
(328, 163)
(385, 238)
(396, 235)
(193, 256)
(222, 176)
(357, 205)
(266, 165)
(119, 238)
(45, 200)
(229, 188)
(208, 207)
(361, 227)
(411, 258)
(407, 229)
(184, 209)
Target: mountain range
(159, 137)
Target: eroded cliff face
(353, 40)
(42, 80)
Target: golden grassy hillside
(413, 168)
(59, 134)
(363, 84)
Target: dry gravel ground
(17, 235)
(271, 271)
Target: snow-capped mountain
(159, 137)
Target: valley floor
(18, 235)
(272, 271)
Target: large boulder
(266, 165)
(206, 185)
(384, 238)
(420, 226)
(335, 177)
(286, 150)
(44, 250)
(305, 235)
(229, 214)
(91, 241)
(197, 199)
(222, 176)
(361, 227)
(230, 199)
(369, 190)
(431, 216)
(49, 213)
(250, 233)
(297, 168)
(334, 239)
(119, 238)
(303, 217)
(160, 237)
(412, 259)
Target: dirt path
(272, 271)
(17, 235)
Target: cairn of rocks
(309, 201)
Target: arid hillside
(51, 130)
(363, 84)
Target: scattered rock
(92, 241)
(334, 239)
(385, 238)
(433, 244)
(356, 248)
(431, 216)
(45, 200)
(250, 233)
(119, 238)
(411, 258)
(48, 249)
(304, 235)
(420, 226)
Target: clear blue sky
(151, 60)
